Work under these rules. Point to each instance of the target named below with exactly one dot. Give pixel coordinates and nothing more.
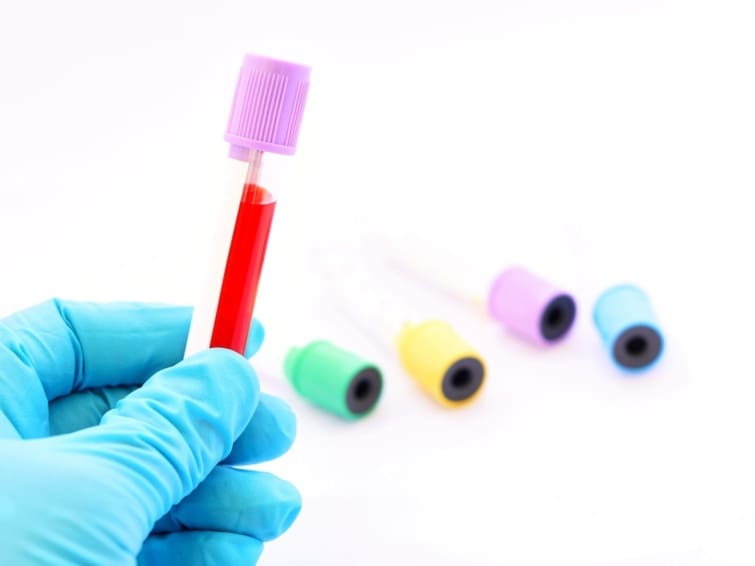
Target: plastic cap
(531, 307)
(441, 362)
(334, 379)
(628, 327)
(268, 107)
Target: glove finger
(7, 430)
(57, 347)
(84, 409)
(199, 548)
(247, 502)
(163, 439)
(78, 345)
(82, 345)
(269, 434)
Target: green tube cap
(334, 379)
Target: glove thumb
(163, 439)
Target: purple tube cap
(530, 307)
(267, 107)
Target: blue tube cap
(628, 327)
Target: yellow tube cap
(443, 364)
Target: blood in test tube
(243, 269)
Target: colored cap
(267, 107)
(443, 364)
(628, 327)
(334, 379)
(530, 307)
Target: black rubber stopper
(364, 391)
(637, 347)
(463, 379)
(558, 317)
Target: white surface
(593, 141)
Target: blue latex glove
(110, 444)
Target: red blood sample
(243, 268)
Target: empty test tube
(440, 361)
(527, 305)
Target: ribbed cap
(267, 107)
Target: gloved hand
(110, 444)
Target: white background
(595, 142)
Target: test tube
(333, 377)
(265, 118)
(430, 350)
(527, 305)
(623, 314)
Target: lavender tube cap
(267, 107)
(530, 307)
(628, 327)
